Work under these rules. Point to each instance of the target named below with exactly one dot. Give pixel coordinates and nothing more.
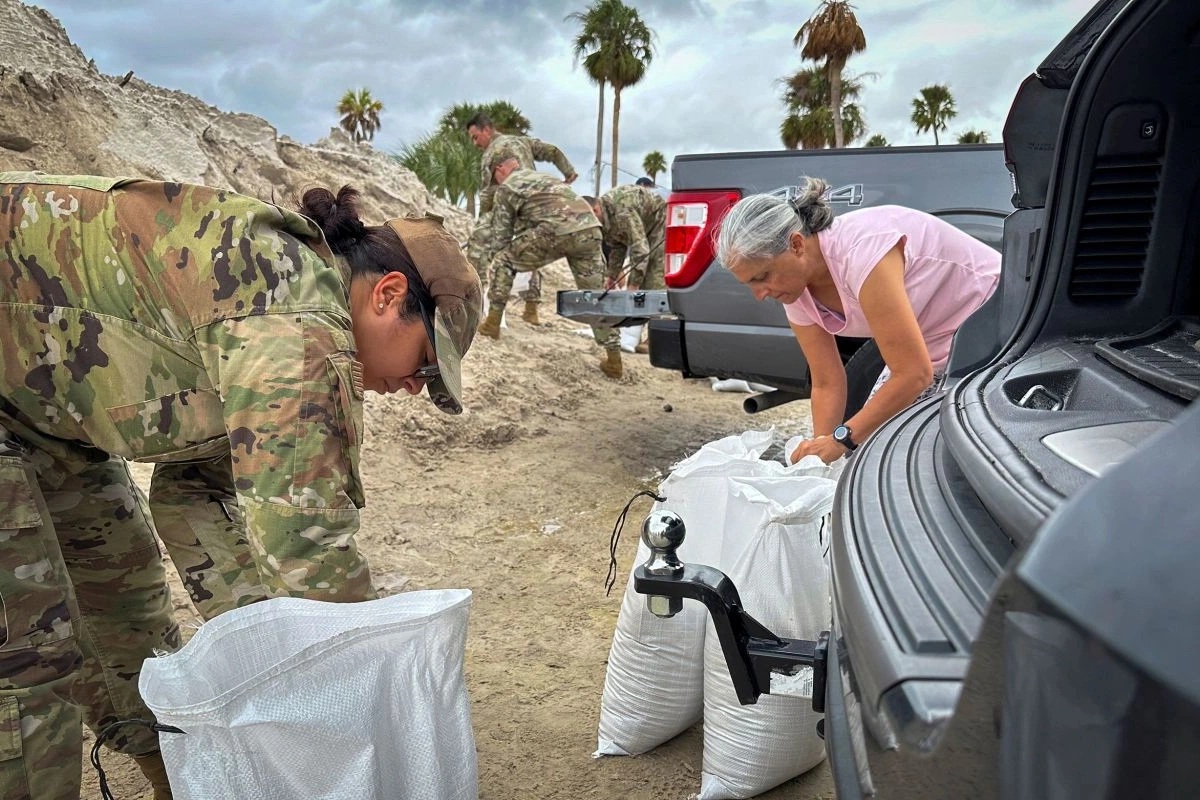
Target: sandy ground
(516, 500)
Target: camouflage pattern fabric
(198, 519)
(177, 324)
(526, 150)
(538, 219)
(476, 245)
(85, 602)
(635, 223)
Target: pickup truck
(1013, 562)
(707, 324)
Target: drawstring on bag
(611, 579)
(107, 733)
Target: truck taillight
(692, 219)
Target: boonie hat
(457, 297)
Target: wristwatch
(841, 435)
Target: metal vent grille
(1110, 256)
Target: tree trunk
(599, 140)
(471, 204)
(835, 101)
(616, 131)
(935, 136)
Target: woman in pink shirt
(902, 277)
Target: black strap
(107, 733)
(611, 579)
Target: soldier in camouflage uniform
(634, 222)
(219, 336)
(538, 219)
(497, 147)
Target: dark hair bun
(337, 216)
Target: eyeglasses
(426, 372)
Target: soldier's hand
(610, 283)
(570, 178)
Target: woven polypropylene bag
(297, 698)
(654, 683)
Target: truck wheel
(862, 370)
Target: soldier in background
(538, 219)
(219, 336)
(634, 222)
(526, 150)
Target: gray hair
(761, 225)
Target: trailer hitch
(759, 661)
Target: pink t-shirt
(947, 273)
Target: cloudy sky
(712, 87)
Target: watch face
(841, 432)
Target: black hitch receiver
(753, 653)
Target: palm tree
(877, 140)
(973, 137)
(809, 123)
(831, 35)
(506, 117)
(654, 163)
(360, 114)
(933, 109)
(447, 163)
(615, 47)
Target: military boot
(530, 313)
(155, 770)
(610, 365)
(491, 325)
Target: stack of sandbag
(763, 524)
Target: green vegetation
(973, 137)
(654, 163)
(615, 47)
(830, 36)
(360, 114)
(810, 122)
(933, 109)
(447, 162)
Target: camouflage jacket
(633, 215)
(531, 201)
(526, 150)
(168, 322)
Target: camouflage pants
(85, 602)
(537, 248)
(475, 254)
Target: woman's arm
(827, 376)
(828, 379)
(894, 327)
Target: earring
(381, 305)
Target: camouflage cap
(457, 297)
(499, 156)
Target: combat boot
(155, 770)
(530, 314)
(491, 325)
(610, 365)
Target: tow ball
(759, 661)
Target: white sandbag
(631, 337)
(340, 701)
(653, 685)
(775, 551)
(521, 282)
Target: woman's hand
(828, 448)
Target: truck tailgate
(615, 308)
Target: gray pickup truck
(707, 324)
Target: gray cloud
(713, 85)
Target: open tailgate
(615, 308)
